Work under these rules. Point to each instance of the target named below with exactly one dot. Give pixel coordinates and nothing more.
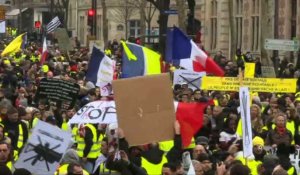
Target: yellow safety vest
(18, 60)
(242, 56)
(153, 168)
(74, 133)
(35, 58)
(65, 126)
(95, 149)
(192, 145)
(34, 122)
(103, 170)
(252, 164)
(166, 145)
(63, 170)
(21, 137)
(107, 52)
(291, 171)
(9, 165)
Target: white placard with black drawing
(44, 149)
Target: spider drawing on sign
(43, 153)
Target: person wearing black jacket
(153, 155)
(125, 166)
(16, 129)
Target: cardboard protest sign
(193, 79)
(60, 92)
(254, 84)
(96, 112)
(44, 149)
(64, 42)
(145, 108)
(268, 72)
(295, 159)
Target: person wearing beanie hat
(258, 149)
(258, 141)
(268, 165)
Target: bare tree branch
(154, 2)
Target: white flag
(53, 24)
(246, 121)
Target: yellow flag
(14, 46)
(128, 52)
(249, 70)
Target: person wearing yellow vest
(107, 52)
(5, 158)
(239, 59)
(69, 158)
(124, 165)
(153, 159)
(2, 135)
(15, 129)
(88, 145)
(280, 134)
(254, 161)
(18, 58)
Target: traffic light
(37, 24)
(91, 16)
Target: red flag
(44, 53)
(190, 117)
(211, 67)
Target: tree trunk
(66, 6)
(143, 20)
(105, 22)
(181, 14)
(233, 38)
(265, 32)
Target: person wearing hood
(70, 157)
(228, 135)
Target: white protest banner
(193, 79)
(44, 149)
(96, 112)
(105, 75)
(246, 121)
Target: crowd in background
(216, 148)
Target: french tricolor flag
(44, 52)
(100, 71)
(184, 52)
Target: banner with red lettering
(96, 112)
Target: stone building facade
(231, 24)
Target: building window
(294, 19)
(134, 28)
(255, 23)
(214, 24)
(120, 27)
(239, 23)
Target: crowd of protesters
(216, 148)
